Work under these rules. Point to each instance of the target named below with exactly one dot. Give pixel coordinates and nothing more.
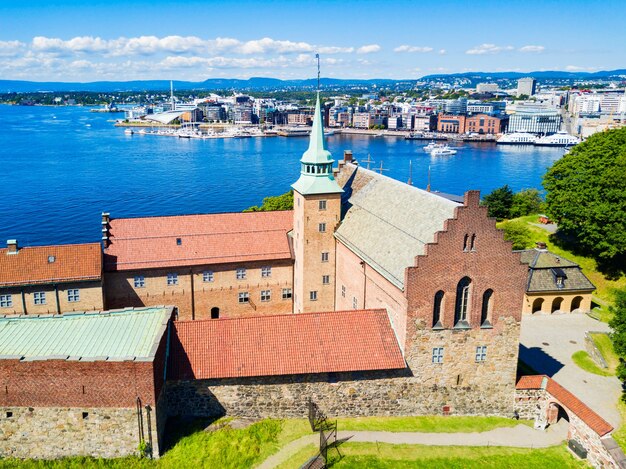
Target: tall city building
(527, 86)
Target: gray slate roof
(387, 223)
(542, 275)
(131, 334)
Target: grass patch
(619, 435)
(584, 361)
(299, 458)
(604, 286)
(384, 455)
(428, 424)
(605, 346)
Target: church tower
(317, 209)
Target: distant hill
(256, 83)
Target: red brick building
(483, 124)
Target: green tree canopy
(273, 203)
(518, 233)
(618, 324)
(499, 202)
(526, 202)
(586, 196)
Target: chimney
(105, 229)
(541, 246)
(12, 246)
(347, 156)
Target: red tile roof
(357, 340)
(567, 399)
(31, 265)
(140, 243)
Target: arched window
(537, 305)
(487, 307)
(473, 243)
(556, 304)
(462, 303)
(465, 240)
(437, 308)
(576, 302)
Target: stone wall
(54, 432)
(338, 395)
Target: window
(481, 353)
(355, 302)
(266, 295)
(313, 295)
(266, 271)
(324, 257)
(322, 205)
(343, 291)
(39, 297)
(437, 307)
(465, 240)
(179, 241)
(325, 279)
(244, 296)
(73, 295)
(241, 274)
(215, 313)
(473, 243)
(287, 293)
(207, 276)
(172, 279)
(438, 355)
(462, 302)
(322, 227)
(6, 301)
(485, 312)
(139, 281)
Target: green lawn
(584, 361)
(605, 346)
(383, 455)
(429, 424)
(589, 266)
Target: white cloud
(536, 49)
(575, 68)
(442, 52)
(407, 48)
(11, 48)
(488, 49)
(368, 49)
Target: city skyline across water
(64, 166)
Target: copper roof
(341, 341)
(51, 264)
(153, 242)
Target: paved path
(519, 436)
(547, 344)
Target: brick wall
(90, 298)
(222, 292)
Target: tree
(518, 233)
(586, 196)
(618, 324)
(526, 202)
(274, 203)
(499, 202)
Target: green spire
(316, 152)
(316, 174)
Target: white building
(487, 87)
(536, 121)
(527, 86)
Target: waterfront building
(361, 120)
(487, 87)
(454, 124)
(537, 120)
(456, 106)
(526, 86)
(50, 279)
(424, 123)
(486, 107)
(394, 122)
(555, 284)
(483, 124)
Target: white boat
(445, 150)
(433, 146)
(328, 132)
(517, 138)
(129, 131)
(559, 139)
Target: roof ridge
(218, 233)
(200, 214)
(54, 246)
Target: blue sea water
(62, 166)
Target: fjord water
(63, 166)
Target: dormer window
(559, 277)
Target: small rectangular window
(207, 276)
(39, 297)
(172, 279)
(322, 227)
(139, 281)
(266, 272)
(313, 295)
(325, 279)
(322, 205)
(324, 257)
(481, 353)
(6, 301)
(266, 295)
(241, 274)
(343, 291)
(355, 302)
(244, 297)
(438, 355)
(73, 295)
(287, 293)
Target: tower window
(325, 279)
(355, 303)
(481, 353)
(322, 227)
(287, 293)
(322, 205)
(462, 302)
(438, 355)
(343, 291)
(313, 295)
(437, 323)
(324, 257)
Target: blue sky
(193, 40)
